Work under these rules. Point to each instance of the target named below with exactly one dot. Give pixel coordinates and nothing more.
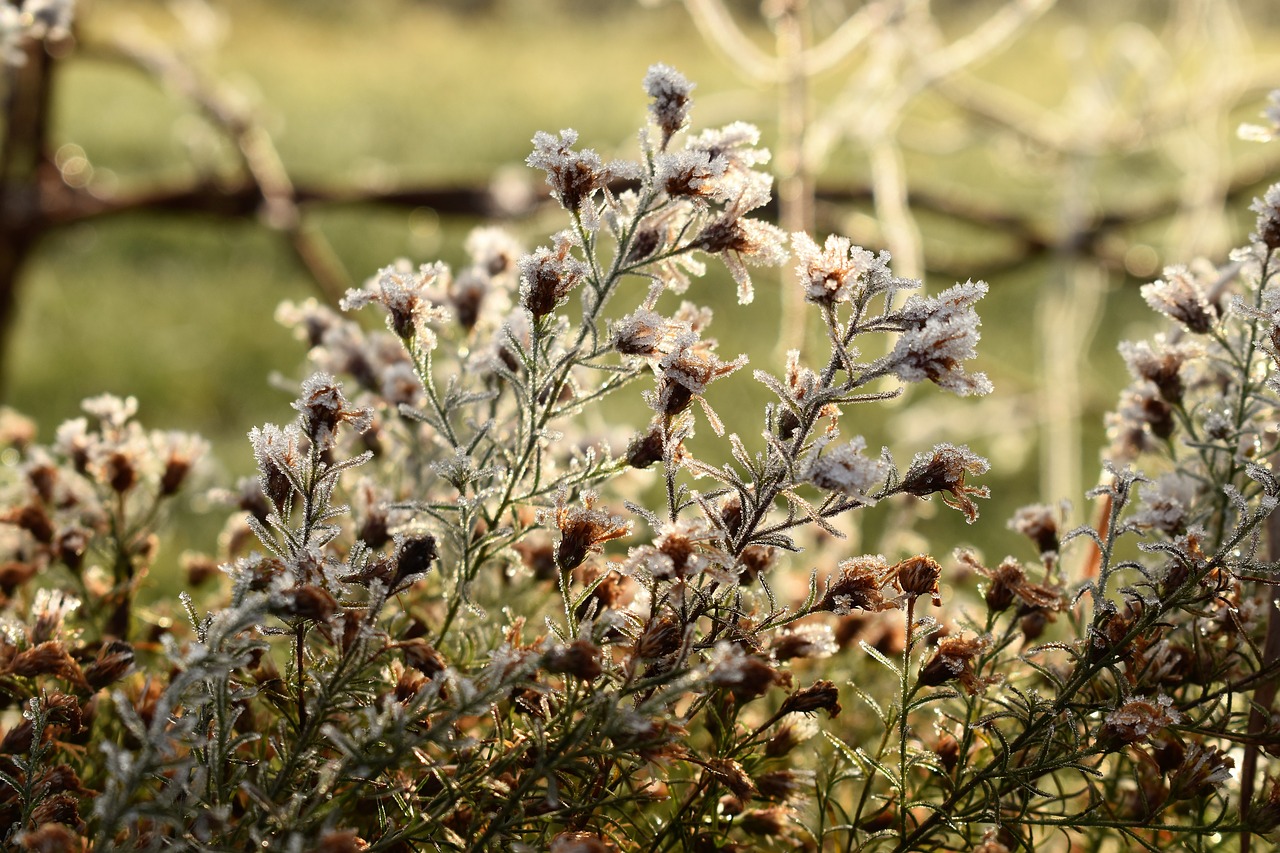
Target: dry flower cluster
(449, 616)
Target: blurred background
(173, 170)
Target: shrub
(452, 616)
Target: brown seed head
(819, 696)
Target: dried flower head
(1203, 770)
(1039, 523)
(858, 585)
(583, 529)
(1180, 298)
(845, 470)
(670, 92)
(322, 407)
(744, 675)
(944, 470)
(810, 640)
(917, 576)
(548, 275)
(832, 273)
(820, 696)
(954, 659)
(1136, 720)
(938, 335)
(408, 297)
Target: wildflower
(744, 675)
(579, 658)
(948, 751)
(846, 471)
(1160, 362)
(1009, 582)
(688, 174)
(820, 696)
(112, 412)
(812, 640)
(574, 176)
(113, 662)
(685, 373)
(740, 240)
(1039, 523)
(917, 576)
(944, 470)
(279, 461)
(582, 529)
(493, 250)
(305, 601)
(773, 822)
(642, 332)
(1268, 210)
(1178, 296)
(793, 729)
(1203, 770)
(730, 774)
(406, 296)
(671, 102)
(683, 549)
(858, 586)
(548, 275)
(1137, 719)
(938, 335)
(179, 452)
(1167, 504)
(785, 785)
(954, 660)
(423, 657)
(833, 273)
(323, 406)
(646, 448)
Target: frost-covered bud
(739, 241)
(689, 174)
(859, 585)
(1160, 363)
(1136, 720)
(939, 334)
(641, 332)
(845, 470)
(832, 273)
(583, 529)
(1167, 504)
(1038, 522)
(1178, 296)
(413, 557)
(944, 470)
(670, 93)
(323, 406)
(744, 675)
(572, 175)
(1268, 210)
(548, 275)
(407, 296)
(645, 448)
(278, 456)
(917, 576)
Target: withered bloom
(917, 576)
(583, 529)
(944, 470)
(323, 406)
(579, 658)
(548, 275)
(113, 662)
(1039, 523)
(645, 448)
(858, 586)
(1203, 770)
(819, 696)
(1009, 583)
(670, 92)
(954, 660)
(1179, 297)
(1137, 719)
(422, 656)
(730, 774)
(305, 601)
(744, 675)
